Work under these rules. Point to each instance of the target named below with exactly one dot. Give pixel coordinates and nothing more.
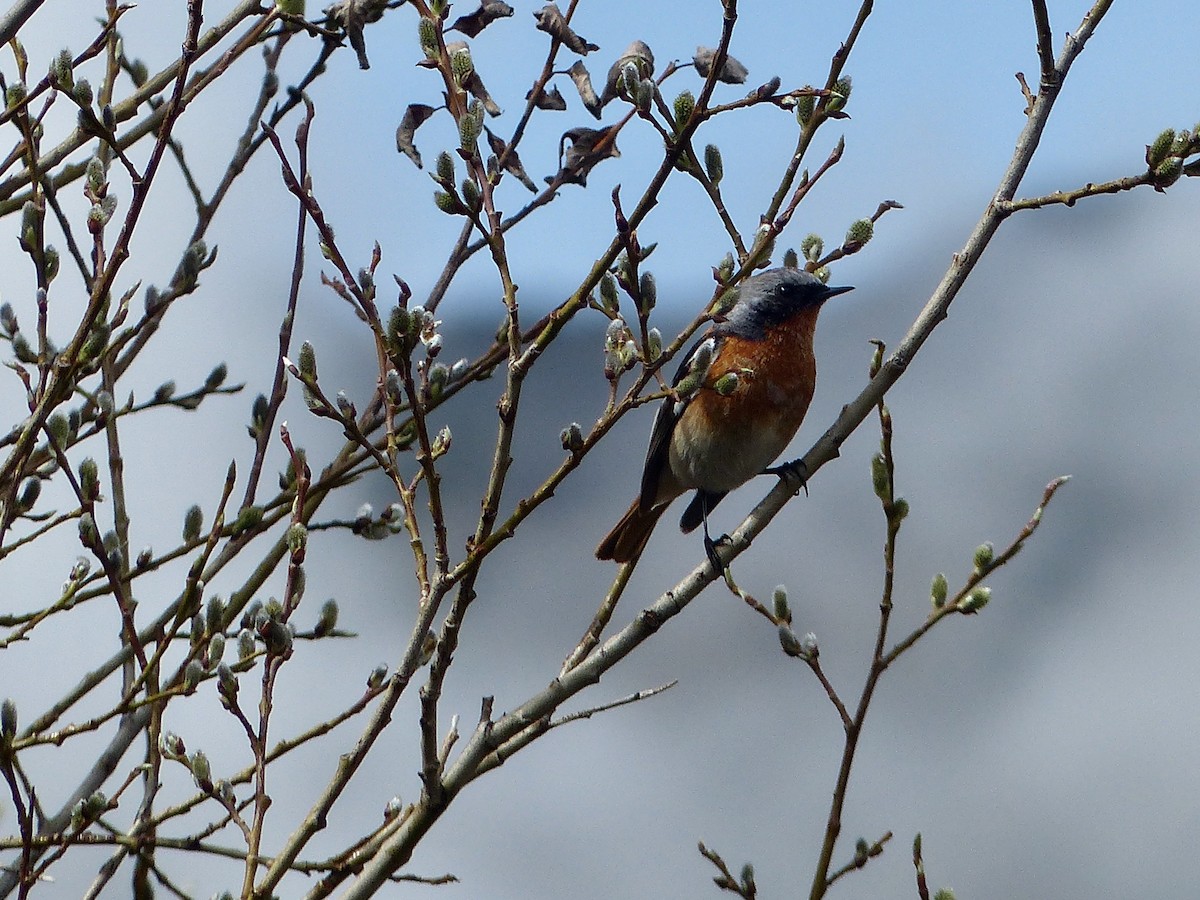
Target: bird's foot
(794, 469)
(710, 550)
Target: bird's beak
(834, 291)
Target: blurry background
(1045, 748)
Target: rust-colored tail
(628, 538)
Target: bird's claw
(710, 550)
(793, 469)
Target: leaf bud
(89, 479)
(215, 650)
(879, 476)
(394, 807)
(1160, 149)
(193, 521)
(900, 509)
(984, 554)
(193, 672)
(859, 233)
(788, 642)
(938, 590)
(461, 64)
(82, 92)
(246, 645)
(779, 604)
(572, 438)
(201, 770)
(726, 384)
(685, 105)
(8, 720)
(441, 443)
(30, 491)
(61, 72)
(840, 95)
(805, 106)
(653, 345)
(297, 539)
(377, 677)
(448, 203)
(713, 164)
(445, 168)
(171, 745)
(327, 619)
(648, 290)
(1168, 172)
(308, 361)
(976, 600)
(609, 299)
(427, 34)
(812, 247)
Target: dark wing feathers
(664, 423)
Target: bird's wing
(668, 414)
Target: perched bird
(743, 391)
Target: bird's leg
(710, 546)
(795, 469)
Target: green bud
(448, 203)
(859, 233)
(327, 620)
(1158, 151)
(377, 677)
(1168, 172)
(470, 126)
(8, 719)
(297, 538)
(789, 643)
(216, 377)
(839, 96)
(879, 476)
(214, 614)
(30, 491)
(138, 73)
(308, 361)
(246, 645)
(193, 672)
(164, 392)
(725, 268)
(61, 70)
(15, 95)
(653, 345)
(95, 804)
(779, 601)
(724, 303)
(984, 554)
(572, 438)
(461, 65)
(50, 255)
(89, 479)
(445, 168)
(648, 289)
(976, 600)
(96, 343)
(805, 106)
(685, 105)
(726, 384)
(201, 770)
(227, 683)
(944, 894)
(608, 293)
(59, 428)
(713, 164)
(900, 509)
(247, 519)
(82, 92)
(394, 807)
(812, 247)
(193, 521)
(790, 259)
(216, 649)
(938, 590)
(441, 443)
(471, 195)
(427, 34)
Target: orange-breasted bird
(715, 438)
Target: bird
(737, 401)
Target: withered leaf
(414, 117)
(583, 83)
(551, 20)
(551, 99)
(512, 163)
(638, 54)
(589, 146)
(489, 11)
(733, 72)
